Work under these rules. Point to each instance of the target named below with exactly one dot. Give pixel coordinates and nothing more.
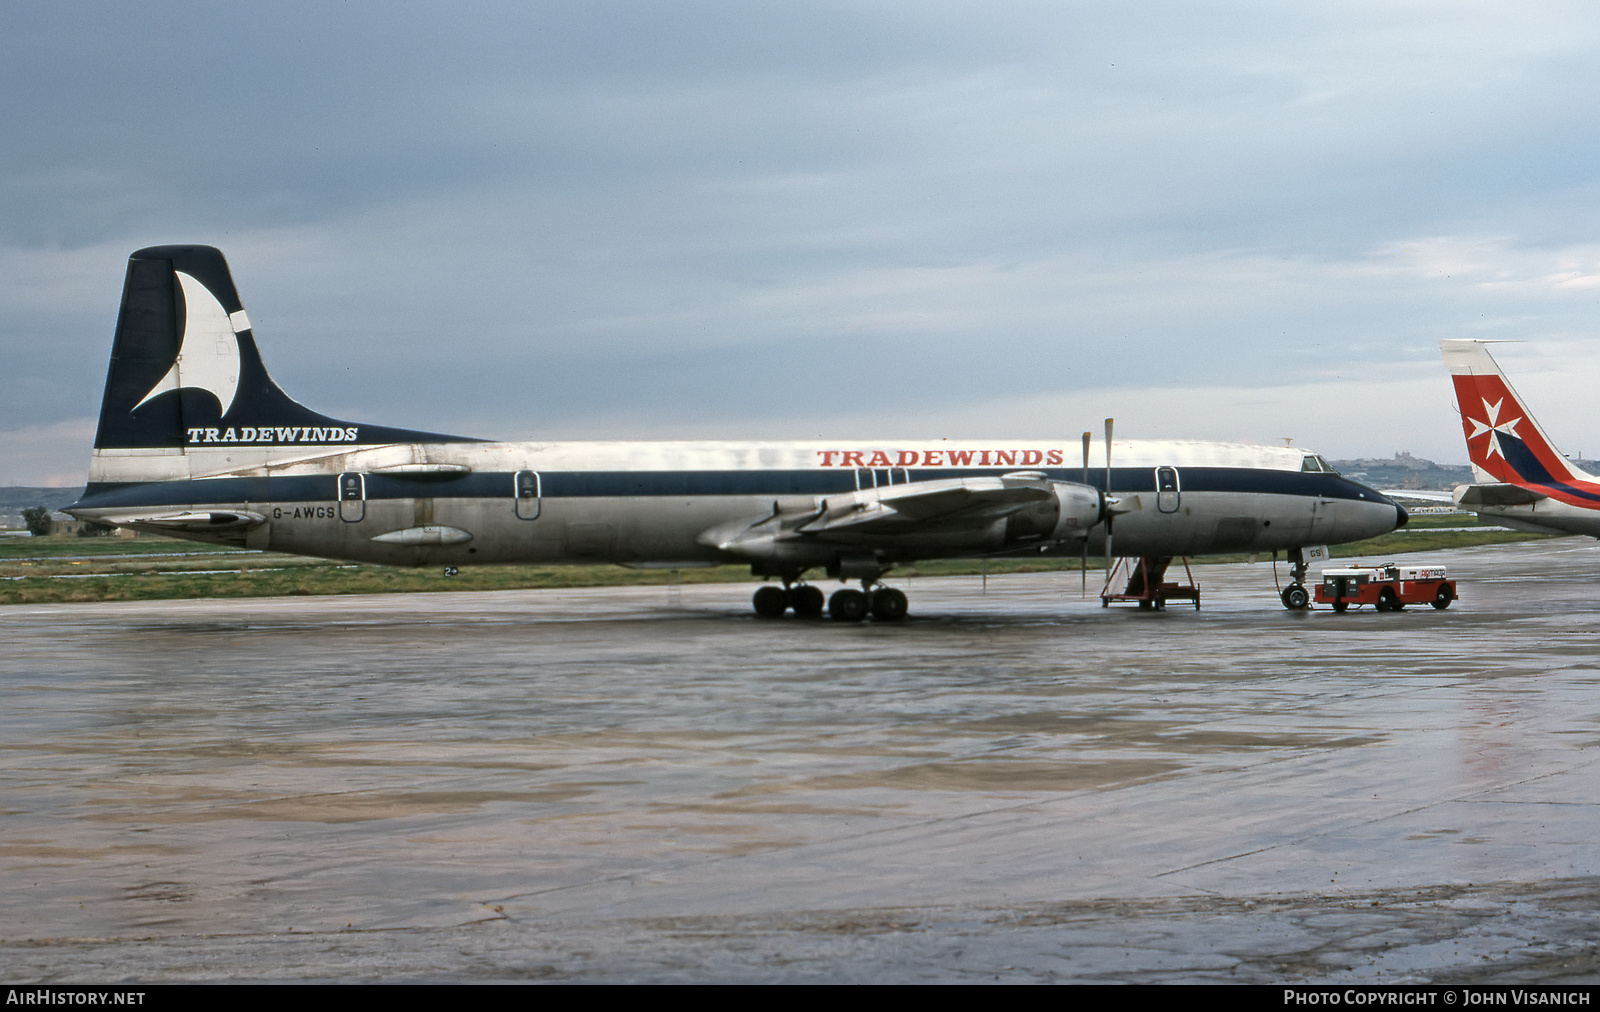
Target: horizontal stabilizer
(1496, 494)
(193, 522)
(422, 472)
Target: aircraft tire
(847, 606)
(1295, 597)
(770, 602)
(807, 602)
(889, 605)
(1442, 599)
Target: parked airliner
(1523, 482)
(196, 440)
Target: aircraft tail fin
(185, 371)
(1504, 442)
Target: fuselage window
(882, 477)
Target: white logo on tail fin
(208, 355)
(1494, 427)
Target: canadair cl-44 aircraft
(1523, 481)
(196, 440)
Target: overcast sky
(1242, 220)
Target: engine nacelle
(1080, 508)
(1066, 516)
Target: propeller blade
(1083, 564)
(1109, 423)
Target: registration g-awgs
(196, 440)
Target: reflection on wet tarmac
(619, 785)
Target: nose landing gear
(1295, 596)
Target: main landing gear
(884, 604)
(804, 599)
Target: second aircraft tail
(1504, 442)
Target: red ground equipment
(1148, 584)
(1388, 587)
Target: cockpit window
(1312, 462)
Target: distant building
(61, 523)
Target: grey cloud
(691, 212)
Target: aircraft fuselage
(652, 504)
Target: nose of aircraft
(1371, 514)
(1386, 520)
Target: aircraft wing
(927, 504)
(951, 509)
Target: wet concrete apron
(628, 784)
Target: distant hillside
(16, 498)
(1404, 471)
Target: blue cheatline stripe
(612, 484)
(1532, 472)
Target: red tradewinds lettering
(933, 458)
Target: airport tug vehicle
(1388, 587)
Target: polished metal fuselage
(651, 503)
